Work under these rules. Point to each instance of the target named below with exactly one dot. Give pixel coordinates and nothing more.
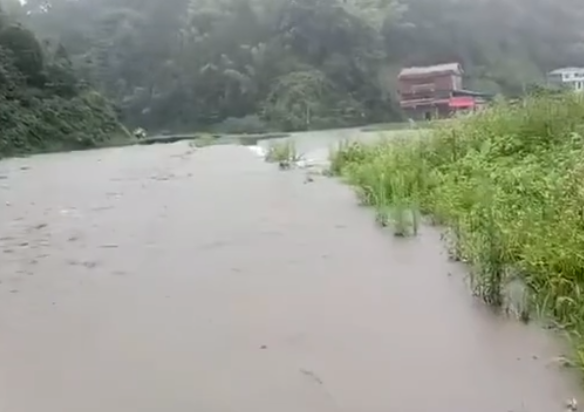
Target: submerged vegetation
(284, 153)
(508, 183)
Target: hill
(44, 106)
(297, 64)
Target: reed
(508, 183)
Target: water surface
(162, 278)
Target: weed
(203, 140)
(370, 168)
(508, 182)
(284, 153)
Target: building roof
(563, 70)
(425, 70)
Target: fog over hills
(188, 64)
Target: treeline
(246, 65)
(43, 104)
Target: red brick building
(435, 91)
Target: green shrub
(50, 124)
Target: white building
(569, 77)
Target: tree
(42, 106)
(188, 64)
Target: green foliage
(300, 99)
(508, 182)
(284, 153)
(184, 65)
(26, 52)
(194, 64)
(42, 105)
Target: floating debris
(572, 404)
(284, 165)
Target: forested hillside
(43, 105)
(296, 64)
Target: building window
(555, 78)
(427, 87)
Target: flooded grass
(402, 126)
(208, 139)
(284, 153)
(203, 140)
(508, 183)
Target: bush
(508, 182)
(50, 124)
(42, 104)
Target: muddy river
(161, 278)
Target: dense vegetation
(294, 64)
(43, 106)
(508, 182)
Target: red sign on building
(462, 102)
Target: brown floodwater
(164, 279)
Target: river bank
(508, 184)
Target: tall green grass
(508, 182)
(284, 153)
